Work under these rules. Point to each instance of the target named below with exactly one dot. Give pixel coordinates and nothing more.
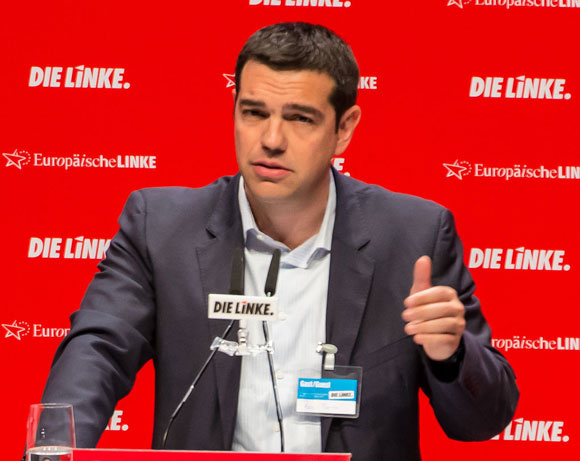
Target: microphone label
(238, 307)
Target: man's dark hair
(303, 46)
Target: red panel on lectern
(159, 455)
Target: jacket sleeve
(480, 400)
(111, 334)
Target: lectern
(171, 455)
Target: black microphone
(272, 278)
(270, 290)
(237, 277)
(236, 288)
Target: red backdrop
(471, 103)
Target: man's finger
(431, 296)
(432, 311)
(421, 274)
(441, 326)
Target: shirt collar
(302, 256)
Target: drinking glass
(50, 432)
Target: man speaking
(378, 276)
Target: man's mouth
(270, 170)
(270, 165)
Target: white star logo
(458, 3)
(17, 158)
(231, 78)
(457, 169)
(16, 329)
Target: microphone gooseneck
(270, 290)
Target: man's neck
(290, 223)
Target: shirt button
(276, 427)
(280, 374)
(260, 237)
(282, 316)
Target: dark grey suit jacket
(174, 246)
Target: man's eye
(253, 113)
(301, 118)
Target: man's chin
(268, 193)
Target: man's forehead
(286, 69)
(260, 78)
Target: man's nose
(273, 137)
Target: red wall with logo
(471, 103)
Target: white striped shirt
(302, 291)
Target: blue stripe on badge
(327, 389)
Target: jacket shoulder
(181, 210)
(172, 202)
(171, 199)
(378, 203)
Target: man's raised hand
(435, 317)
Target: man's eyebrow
(252, 102)
(306, 109)
(290, 106)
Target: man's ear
(234, 94)
(348, 123)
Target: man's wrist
(448, 370)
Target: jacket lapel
(351, 273)
(215, 258)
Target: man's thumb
(421, 274)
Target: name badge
(328, 396)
